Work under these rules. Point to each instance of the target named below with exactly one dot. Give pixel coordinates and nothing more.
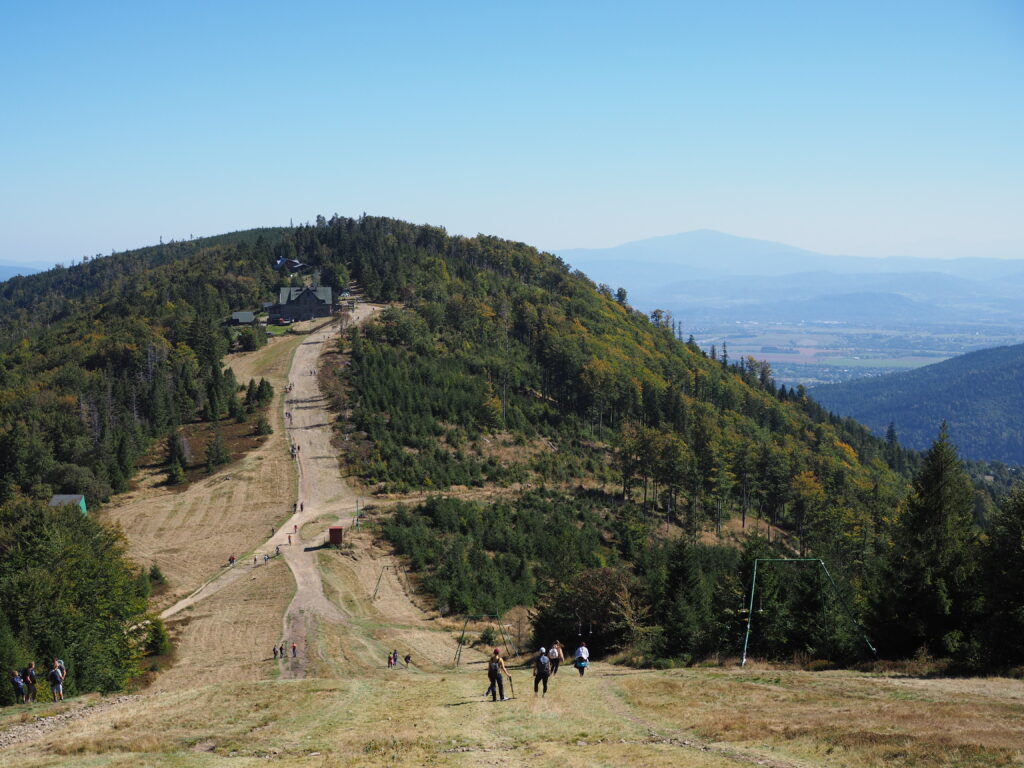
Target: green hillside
(579, 459)
(978, 395)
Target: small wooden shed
(335, 535)
(70, 500)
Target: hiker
(289, 538)
(555, 656)
(391, 660)
(56, 678)
(282, 651)
(495, 669)
(275, 653)
(277, 549)
(254, 561)
(541, 671)
(231, 561)
(582, 656)
(295, 651)
(266, 558)
(296, 528)
(19, 686)
(29, 676)
(408, 660)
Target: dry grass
(843, 718)
(190, 533)
(229, 636)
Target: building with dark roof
(302, 303)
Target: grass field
(612, 717)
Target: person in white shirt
(582, 658)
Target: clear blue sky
(870, 128)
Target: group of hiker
(24, 682)
(279, 653)
(393, 659)
(545, 664)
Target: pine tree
(251, 394)
(216, 452)
(1002, 631)
(926, 599)
(176, 474)
(264, 392)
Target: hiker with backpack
(19, 686)
(495, 670)
(541, 671)
(56, 677)
(582, 658)
(29, 676)
(555, 655)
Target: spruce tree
(1002, 630)
(216, 452)
(927, 596)
(176, 474)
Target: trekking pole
(511, 686)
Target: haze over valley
(816, 317)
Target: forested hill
(978, 395)
(97, 361)
(611, 447)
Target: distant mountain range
(710, 273)
(980, 395)
(7, 271)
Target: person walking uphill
(582, 658)
(495, 670)
(555, 655)
(541, 671)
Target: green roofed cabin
(69, 500)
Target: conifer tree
(216, 452)
(926, 599)
(1002, 630)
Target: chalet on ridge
(302, 303)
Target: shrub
(821, 665)
(156, 576)
(159, 642)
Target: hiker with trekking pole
(495, 669)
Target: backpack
(29, 676)
(54, 676)
(493, 666)
(543, 665)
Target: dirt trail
(351, 630)
(346, 630)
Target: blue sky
(864, 128)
